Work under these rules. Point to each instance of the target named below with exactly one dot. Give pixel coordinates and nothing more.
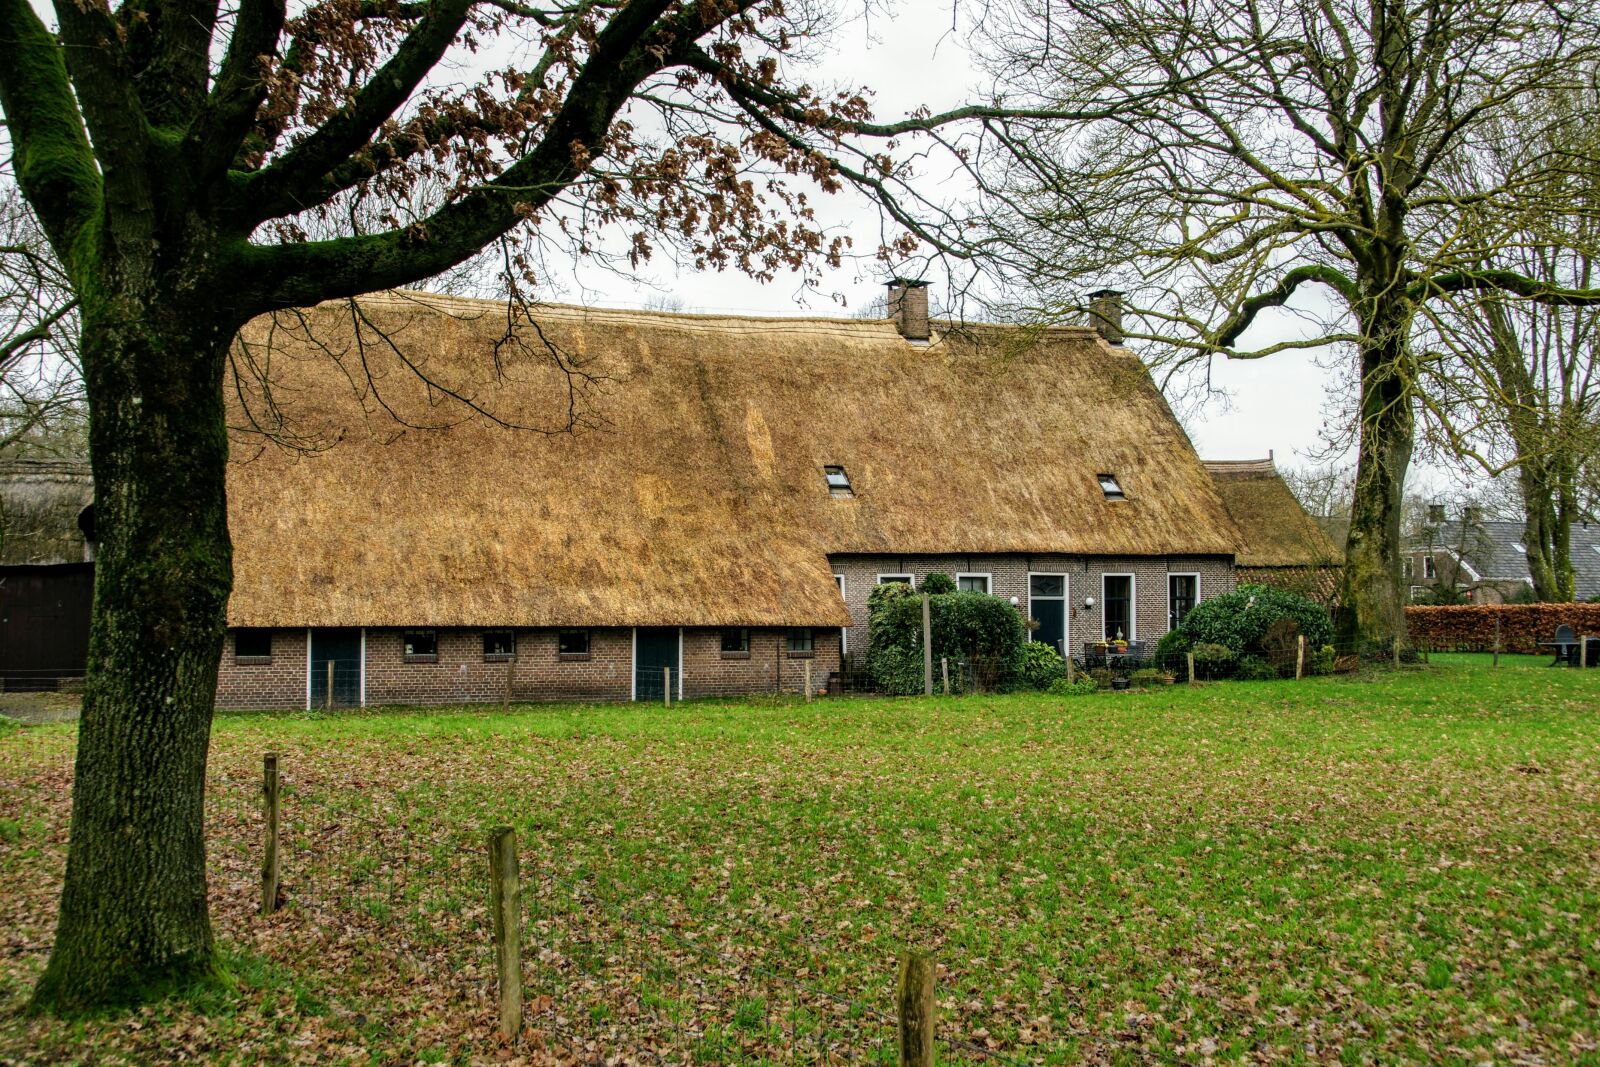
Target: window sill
(802, 655)
(499, 657)
(252, 661)
(736, 655)
(423, 659)
(572, 657)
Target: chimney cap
(906, 283)
(1104, 292)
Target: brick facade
(461, 673)
(1008, 577)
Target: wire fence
(605, 974)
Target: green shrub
(1323, 660)
(1082, 686)
(1100, 676)
(1213, 660)
(1039, 666)
(1148, 676)
(896, 671)
(1252, 668)
(1240, 620)
(984, 630)
(938, 583)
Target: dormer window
(838, 481)
(1111, 487)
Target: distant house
(741, 487)
(1486, 560)
(1282, 545)
(46, 570)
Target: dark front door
(655, 649)
(1047, 605)
(341, 649)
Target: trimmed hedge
(982, 629)
(1522, 626)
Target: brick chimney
(1105, 314)
(1473, 514)
(1435, 514)
(908, 307)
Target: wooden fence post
(944, 671)
(505, 901)
(807, 672)
(269, 857)
(666, 690)
(1189, 657)
(1071, 668)
(927, 647)
(1583, 650)
(1397, 651)
(1496, 640)
(328, 703)
(1300, 658)
(914, 1003)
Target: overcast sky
(909, 59)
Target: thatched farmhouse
(46, 573)
(1279, 543)
(734, 490)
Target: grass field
(1396, 867)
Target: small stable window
(573, 643)
(972, 583)
(736, 642)
(1111, 487)
(800, 642)
(838, 481)
(252, 645)
(499, 645)
(421, 646)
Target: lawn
(1396, 867)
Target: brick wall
(1008, 577)
(460, 673)
(280, 682)
(768, 667)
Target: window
(736, 642)
(499, 645)
(800, 643)
(1418, 592)
(890, 579)
(1429, 570)
(844, 635)
(573, 643)
(838, 481)
(1051, 585)
(252, 645)
(1183, 592)
(1117, 598)
(422, 646)
(1406, 569)
(972, 583)
(1111, 487)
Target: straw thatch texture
(701, 499)
(1276, 530)
(40, 501)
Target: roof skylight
(838, 481)
(1111, 487)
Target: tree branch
(1277, 296)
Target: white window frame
(1417, 591)
(363, 700)
(987, 576)
(885, 579)
(1066, 606)
(308, 668)
(1430, 569)
(844, 633)
(1133, 604)
(1181, 574)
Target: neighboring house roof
(700, 499)
(1489, 551)
(40, 501)
(1277, 531)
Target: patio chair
(1565, 644)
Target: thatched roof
(699, 497)
(1277, 531)
(40, 501)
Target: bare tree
(1512, 385)
(1264, 149)
(41, 388)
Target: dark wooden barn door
(655, 648)
(44, 624)
(342, 648)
